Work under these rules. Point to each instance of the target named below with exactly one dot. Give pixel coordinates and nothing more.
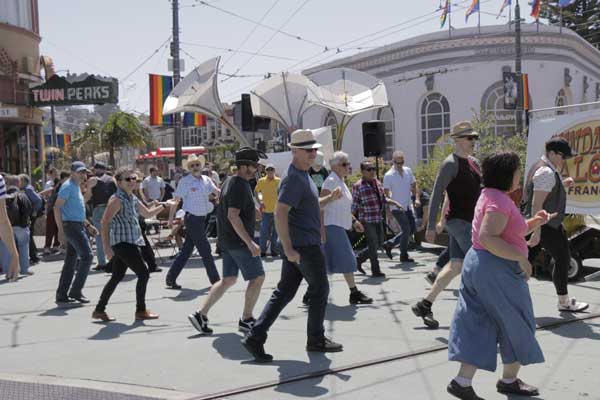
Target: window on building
(435, 123)
(502, 122)
(331, 121)
(387, 114)
(17, 13)
(561, 100)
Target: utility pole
(519, 110)
(53, 139)
(176, 78)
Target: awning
(169, 152)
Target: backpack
(18, 209)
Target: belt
(194, 215)
(100, 205)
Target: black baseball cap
(100, 165)
(560, 145)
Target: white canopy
(281, 97)
(346, 91)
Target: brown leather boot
(102, 316)
(142, 315)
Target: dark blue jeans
(406, 220)
(195, 236)
(374, 235)
(311, 268)
(78, 257)
(268, 232)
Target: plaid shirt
(125, 226)
(366, 205)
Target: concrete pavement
(61, 347)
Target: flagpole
(510, 16)
(449, 19)
(561, 19)
(479, 18)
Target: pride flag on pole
(473, 8)
(160, 87)
(535, 8)
(445, 11)
(505, 3)
(194, 119)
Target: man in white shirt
(153, 186)
(197, 192)
(399, 183)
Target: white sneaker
(573, 305)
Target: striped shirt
(194, 192)
(2, 188)
(125, 227)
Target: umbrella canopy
(346, 91)
(198, 92)
(281, 97)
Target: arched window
(502, 122)
(331, 121)
(387, 114)
(435, 123)
(561, 100)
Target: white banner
(282, 160)
(582, 130)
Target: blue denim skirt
(339, 256)
(494, 310)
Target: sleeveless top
(125, 227)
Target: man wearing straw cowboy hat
(196, 191)
(298, 223)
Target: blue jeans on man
(268, 232)
(78, 260)
(195, 236)
(97, 214)
(21, 236)
(311, 268)
(406, 220)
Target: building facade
(434, 81)
(20, 125)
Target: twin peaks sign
(59, 91)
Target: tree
(124, 130)
(87, 143)
(582, 17)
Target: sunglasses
(399, 162)
(346, 164)
(469, 138)
(130, 179)
(194, 165)
(310, 150)
(369, 169)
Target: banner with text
(582, 130)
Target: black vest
(556, 200)
(105, 187)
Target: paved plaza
(50, 352)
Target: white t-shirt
(152, 186)
(544, 178)
(49, 184)
(338, 212)
(399, 185)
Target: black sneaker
(359, 298)
(80, 298)
(305, 299)
(155, 269)
(245, 325)
(263, 255)
(378, 274)
(421, 310)
(99, 267)
(200, 322)
(173, 285)
(388, 250)
(274, 254)
(257, 350)
(64, 299)
(517, 387)
(324, 345)
(431, 277)
(462, 392)
(406, 258)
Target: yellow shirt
(268, 188)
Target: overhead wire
(248, 36)
(239, 51)
(147, 58)
(287, 21)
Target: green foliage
(124, 130)
(426, 171)
(583, 17)
(87, 143)
(222, 156)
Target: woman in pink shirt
(494, 308)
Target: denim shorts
(235, 260)
(459, 232)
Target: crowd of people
(310, 219)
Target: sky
(114, 37)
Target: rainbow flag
(535, 8)
(160, 87)
(194, 119)
(473, 8)
(505, 3)
(525, 91)
(445, 11)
